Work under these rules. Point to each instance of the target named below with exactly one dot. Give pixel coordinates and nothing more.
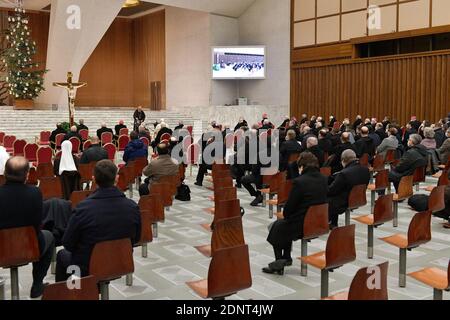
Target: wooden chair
(436, 201)
(18, 247)
(315, 225)
(84, 134)
(419, 177)
(78, 196)
(87, 144)
(381, 184)
(107, 137)
(390, 156)
(227, 233)
(44, 170)
(18, 147)
(165, 192)
(86, 172)
(2, 137)
(139, 166)
(382, 213)
(282, 197)
(30, 152)
(44, 155)
(364, 160)
(340, 250)
(442, 181)
(111, 260)
(274, 182)
(378, 164)
(32, 177)
(419, 232)
(154, 205)
(59, 291)
(229, 272)
(360, 288)
(126, 179)
(76, 144)
(124, 132)
(222, 194)
(436, 278)
(405, 191)
(326, 171)
(123, 142)
(226, 182)
(356, 199)
(59, 140)
(51, 188)
(111, 149)
(225, 209)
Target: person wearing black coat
(325, 143)
(357, 122)
(102, 130)
(105, 215)
(21, 206)
(335, 162)
(161, 131)
(73, 133)
(309, 189)
(288, 148)
(365, 144)
(342, 184)
(59, 129)
(138, 118)
(95, 152)
(415, 123)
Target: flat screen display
(239, 63)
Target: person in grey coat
(390, 143)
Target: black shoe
(258, 200)
(199, 184)
(332, 226)
(37, 290)
(441, 215)
(288, 262)
(238, 185)
(276, 267)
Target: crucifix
(71, 92)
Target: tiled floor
(172, 260)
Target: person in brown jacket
(163, 166)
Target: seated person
(102, 130)
(288, 148)
(73, 133)
(119, 127)
(419, 202)
(309, 189)
(143, 133)
(179, 126)
(390, 143)
(66, 168)
(163, 129)
(444, 150)
(335, 161)
(135, 149)
(163, 166)
(81, 125)
(312, 146)
(241, 123)
(415, 157)
(106, 215)
(95, 152)
(429, 142)
(59, 129)
(365, 144)
(21, 206)
(352, 175)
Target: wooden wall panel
(397, 87)
(39, 23)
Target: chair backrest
(59, 139)
(107, 137)
(378, 163)
(76, 143)
(2, 136)
(192, 154)
(84, 134)
(383, 211)
(123, 141)
(166, 136)
(390, 156)
(44, 170)
(2, 180)
(19, 146)
(382, 179)
(78, 196)
(340, 247)
(420, 174)
(111, 260)
(111, 149)
(316, 222)
(123, 131)
(284, 192)
(145, 140)
(146, 227)
(87, 144)
(18, 246)
(275, 181)
(443, 179)
(226, 209)
(44, 155)
(60, 292)
(30, 152)
(365, 287)
(326, 171)
(227, 233)
(154, 205)
(364, 160)
(139, 165)
(8, 141)
(223, 194)
(219, 174)
(86, 171)
(44, 136)
(216, 167)
(405, 188)
(448, 272)
(124, 178)
(436, 201)
(164, 190)
(357, 197)
(223, 182)
(293, 157)
(229, 272)
(32, 177)
(419, 231)
(51, 188)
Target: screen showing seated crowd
(239, 63)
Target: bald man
(365, 144)
(21, 206)
(345, 144)
(103, 129)
(73, 133)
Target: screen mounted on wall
(239, 63)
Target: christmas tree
(24, 79)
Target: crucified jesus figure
(71, 92)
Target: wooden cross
(71, 92)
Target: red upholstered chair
(107, 137)
(87, 144)
(44, 138)
(111, 149)
(192, 155)
(8, 143)
(146, 141)
(123, 132)
(187, 141)
(123, 141)
(30, 152)
(44, 155)
(76, 143)
(59, 139)
(2, 136)
(18, 147)
(84, 133)
(166, 136)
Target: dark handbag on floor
(419, 202)
(183, 193)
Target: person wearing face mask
(309, 189)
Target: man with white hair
(352, 175)
(103, 129)
(81, 125)
(179, 126)
(444, 150)
(164, 129)
(312, 146)
(73, 133)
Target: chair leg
(437, 294)
(270, 207)
(264, 204)
(402, 269)
(129, 280)
(144, 249)
(15, 284)
(347, 217)
(395, 214)
(155, 230)
(372, 200)
(417, 187)
(370, 242)
(2, 289)
(104, 290)
(130, 190)
(324, 277)
(304, 266)
(53, 263)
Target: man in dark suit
(352, 175)
(357, 123)
(119, 127)
(337, 153)
(164, 129)
(21, 206)
(95, 152)
(72, 133)
(415, 123)
(365, 144)
(288, 148)
(106, 215)
(102, 130)
(59, 129)
(325, 143)
(312, 146)
(81, 125)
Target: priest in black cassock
(139, 118)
